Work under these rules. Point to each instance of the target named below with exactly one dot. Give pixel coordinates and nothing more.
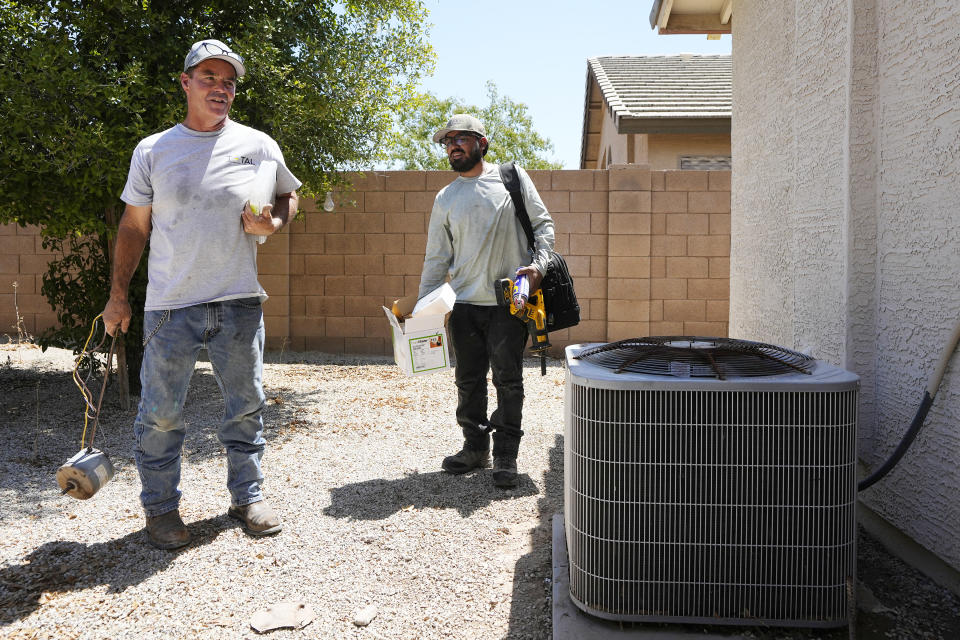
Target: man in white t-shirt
(187, 193)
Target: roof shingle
(667, 86)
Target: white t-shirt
(197, 183)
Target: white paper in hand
(263, 189)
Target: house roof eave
(655, 13)
(684, 124)
(691, 16)
(586, 118)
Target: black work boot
(505, 448)
(475, 453)
(466, 460)
(505, 472)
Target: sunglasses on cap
(207, 49)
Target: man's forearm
(286, 208)
(126, 257)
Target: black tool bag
(559, 298)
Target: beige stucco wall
(660, 151)
(665, 149)
(845, 234)
(613, 146)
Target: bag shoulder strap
(511, 180)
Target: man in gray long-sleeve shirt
(476, 239)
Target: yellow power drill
(529, 307)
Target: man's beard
(467, 161)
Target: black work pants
(485, 338)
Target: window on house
(705, 163)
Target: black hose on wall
(905, 443)
(920, 416)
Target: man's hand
(262, 224)
(116, 315)
(533, 276)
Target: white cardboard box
(420, 341)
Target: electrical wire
(81, 384)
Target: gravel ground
(352, 467)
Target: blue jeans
(232, 333)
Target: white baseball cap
(206, 49)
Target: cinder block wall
(648, 250)
(23, 261)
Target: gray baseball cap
(461, 122)
(206, 49)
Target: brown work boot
(258, 518)
(167, 531)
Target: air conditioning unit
(709, 481)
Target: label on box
(427, 353)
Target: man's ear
(184, 78)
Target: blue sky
(536, 52)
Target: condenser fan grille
(697, 357)
(710, 501)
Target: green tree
(82, 82)
(509, 130)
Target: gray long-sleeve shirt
(476, 238)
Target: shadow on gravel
(42, 411)
(49, 423)
(378, 499)
(531, 614)
(283, 414)
(60, 566)
(43, 421)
